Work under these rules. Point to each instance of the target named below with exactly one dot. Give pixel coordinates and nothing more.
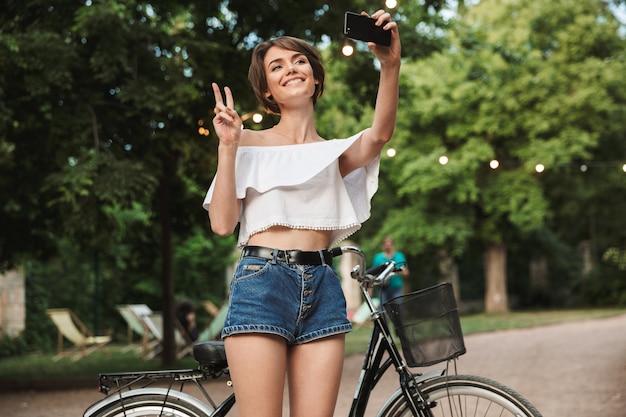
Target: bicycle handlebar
(372, 276)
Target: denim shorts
(298, 302)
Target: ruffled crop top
(300, 186)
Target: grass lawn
(41, 367)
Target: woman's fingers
(226, 122)
(218, 95)
(230, 102)
(384, 20)
(380, 16)
(219, 100)
(224, 111)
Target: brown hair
(257, 75)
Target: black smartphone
(362, 28)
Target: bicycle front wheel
(148, 405)
(465, 396)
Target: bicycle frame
(381, 342)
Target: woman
(294, 196)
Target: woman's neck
(297, 125)
(296, 130)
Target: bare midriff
(285, 238)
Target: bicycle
(434, 394)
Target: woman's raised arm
(374, 138)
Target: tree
(133, 78)
(521, 84)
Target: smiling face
(284, 68)
(289, 76)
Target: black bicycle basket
(427, 323)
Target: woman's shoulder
(251, 137)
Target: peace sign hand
(227, 123)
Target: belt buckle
(281, 255)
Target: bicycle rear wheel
(465, 396)
(148, 405)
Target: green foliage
(520, 85)
(202, 265)
(12, 346)
(604, 286)
(39, 333)
(99, 195)
(616, 257)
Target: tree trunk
(496, 300)
(539, 274)
(585, 249)
(449, 272)
(167, 265)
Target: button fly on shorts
(305, 301)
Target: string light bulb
(391, 4)
(347, 49)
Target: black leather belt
(294, 256)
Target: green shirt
(395, 281)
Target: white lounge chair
(70, 327)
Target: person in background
(186, 316)
(393, 286)
(294, 196)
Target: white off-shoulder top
(300, 186)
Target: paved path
(572, 369)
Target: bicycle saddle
(211, 355)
